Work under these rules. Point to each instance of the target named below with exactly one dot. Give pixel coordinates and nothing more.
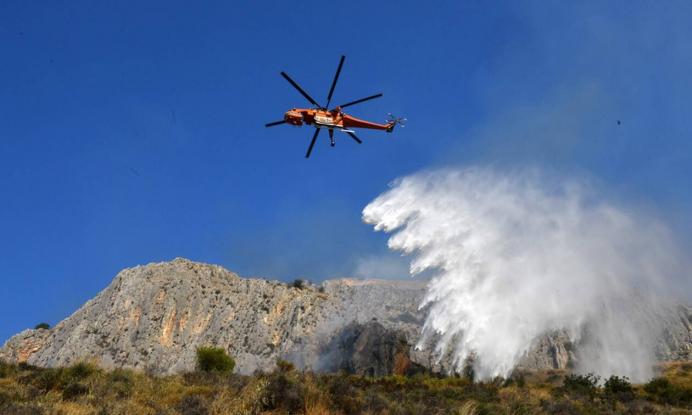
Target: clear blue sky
(133, 133)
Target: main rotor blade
(296, 86)
(271, 124)
(312, 143)
(336, 78)
(360, 100)
(353, 136)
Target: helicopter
(321, 117)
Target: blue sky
(133, 133)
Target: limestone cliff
(154, 317)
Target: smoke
(386, 267)
(515, 255)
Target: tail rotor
(393, 121)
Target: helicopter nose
(293, 118)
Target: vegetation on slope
(214, 359)
(86, 389)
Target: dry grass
(469, 408)
(86, 389)
(679, 373)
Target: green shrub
(47, 379)
(560, 407)
(581, 385)
(192, 405)
(299, 284)
(375, 402)
(122, 376)
(74, 390)
(485, 391)
(5, 399)
(121, 382)
(214, 359)
(80, 371)
(663, 391)
(284, 392)
(469, 372)
(343, 394)
(284, 366)
(7, 370)
(25, 366)
(44, 326)
(519, 379)
(618, 388)
(15, 408)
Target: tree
(214, 359)
(618, 388)
(299, 284)
(44, 326)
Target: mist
(515, 254)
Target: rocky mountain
(153, 317)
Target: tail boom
(353, 122)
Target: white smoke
(386, 267)
(515, 256)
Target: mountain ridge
(153, 317)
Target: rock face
(370, 349)
(554, 350)
(677, 335)
(23, 345)
(154, 317)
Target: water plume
(515, 255)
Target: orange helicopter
(335, 119)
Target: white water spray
(515, 256)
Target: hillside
(153, 317)
(86, 389)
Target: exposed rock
(370, 349)
(22, 346)
(677, 335)
(554, 350)
(154, 317)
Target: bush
(469, 373)
(5, 399)
(581, 385)
(46, 379)
(214, 359)
(375, 402)
(121, 382)
(519, 379)
(192, 405)
(15, 408)
(284, 366)
(299, 284)
(6, 370)
(343, 394)
(44, 326)
(73, 391)
(284, 392)
(560, 407)
(80, 371)
(663, 391)
(618, 388)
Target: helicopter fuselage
(331, 119)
